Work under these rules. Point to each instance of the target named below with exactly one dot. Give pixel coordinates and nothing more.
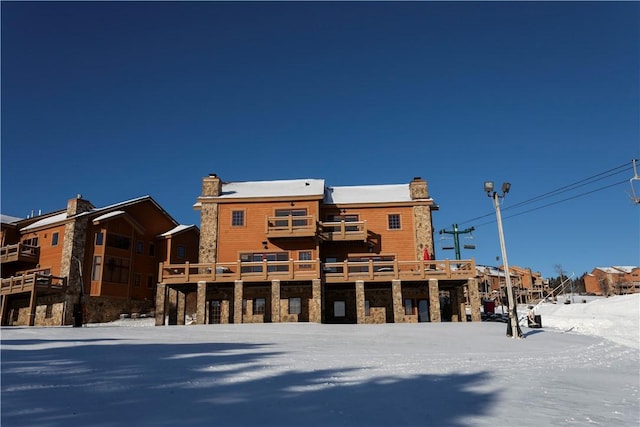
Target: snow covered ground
(581, 368)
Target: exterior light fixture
(513, 328)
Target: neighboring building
(616, 280)
(528, 286)
(87, 264)
(297, 250)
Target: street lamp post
(513, 328)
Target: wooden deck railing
(26, 283)
(291, 226)
(19, 252)
(334, 272)
(344, 230)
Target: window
(259, 305)
(118, 241)
(258, 257)
(338, 308)
(152, 249)
(116, 270)
(137, 279)
(97, 264)
(31, 242)
(408, 306)
(54, 238)
(367, 308)
(139, 247)
(99, 238)
(394, 221)
(181, 251)
(150, 284)
(237, 218)
(305, 256)
(345, 218)
(292, 212)
(295, 305)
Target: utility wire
(581, 183)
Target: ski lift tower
(456, 239)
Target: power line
(556, 202)
(581, 183)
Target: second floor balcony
(343, 230)
(291, 226)
(19, 253)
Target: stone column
(237, 301)
(474, 299)
(434, 301)
(462, 306)
(360, 318)
(172, 297)
(161, 297)
(275, 301)
(201, 303)
(181, 308)
(315, 304)
(396, 296)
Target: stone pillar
(211, 187)
(434, 301)
(181, 308)
(201, 303)
(360, 302)
(172, 298)
(237, 301)
(315, 304)
(462, 305)
(161, 297)
(275, 301)
(396, 296)
(474, 299)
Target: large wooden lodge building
(301, 251)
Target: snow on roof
(108, 215)
(7, 219)
(282, 188)
(46, 221)
(368, 194)
(177, 230)
(617, 269)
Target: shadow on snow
(225, 384)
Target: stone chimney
(418, 188)
(78, 205)
(211, 186)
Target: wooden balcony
(291, 226)
(343, 230)
(249, 271)
(19, 253)
(335, 272)
(42, 283)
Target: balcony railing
(19, 252)
(44, 283)
(333, 272)
(291, 226)
(344, 230)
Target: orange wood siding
(233, 240)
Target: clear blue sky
(116, 100)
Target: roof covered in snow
(46, 221)
(281, 188)
(178, 229)
(368, 194)
(7, 219)
(617, 269)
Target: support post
(474, 299)
(360, 302)
(161, 298)
(201, 303)
(315, 309)
(434, 301)
(275, 301)
(237, 301)
(396, 295)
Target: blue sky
(116, 100)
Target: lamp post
(513, 328)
